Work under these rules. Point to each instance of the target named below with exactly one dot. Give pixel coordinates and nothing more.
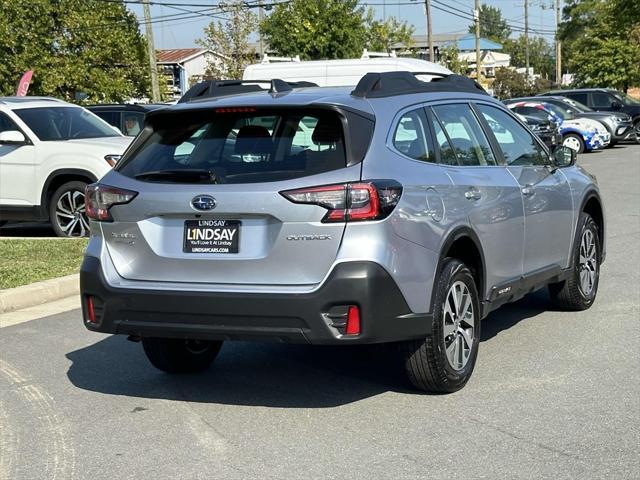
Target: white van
(332, 73)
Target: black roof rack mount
(388, 84)
(223, 88)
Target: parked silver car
(417, 210)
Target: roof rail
(222, 88)
(367, 54)
(388, 84)
(267, 59)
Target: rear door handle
(528, 190)
(473, 194)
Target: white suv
(49, 151)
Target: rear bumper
(313, 317)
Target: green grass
(27, 261)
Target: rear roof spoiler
(388, 84)
(222, 88)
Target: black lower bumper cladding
(283, 317)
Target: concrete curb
(39, 292)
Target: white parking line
(39, 311)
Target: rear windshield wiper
(179, 176)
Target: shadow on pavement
(31, 229)
(266, 374)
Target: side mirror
(564, 156)
(12, 137)
(616, 105)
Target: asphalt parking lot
(554, 395)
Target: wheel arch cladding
(593, 206)
(58, 178)
(464, 245)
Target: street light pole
(478, 60)
(427, 11)
(558, 47)
(526, 37)
(153, 69)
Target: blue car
(579, 134)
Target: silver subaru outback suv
(399, 211)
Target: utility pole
(558, 47)
(526, 37)
(476, 14)
(427, 10)
(260, 19)
(155, 87)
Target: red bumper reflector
(353, 321)
(91, 313)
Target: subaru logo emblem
(203, 202)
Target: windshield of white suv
(64, 123)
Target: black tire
(579, 139)
(636, 127)
(81, 226)
(570, 294)
(176, 355)
(425, 360)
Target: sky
(180, 29)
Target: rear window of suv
(239, 145)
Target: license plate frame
(211, 236)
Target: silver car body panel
(142, 248)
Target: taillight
(350, 202)
(100, 198)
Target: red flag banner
(23, 85)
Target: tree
(383, 34)
(450, 57)
(601, 40)
(316, 29)
(492, 25)
(230, 40)
(541, 54)
(510, 84)
(75, 47)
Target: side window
(112, 118)
(447, 154)
(6, 124)
(601, 100)
(133, 123)
(412, 138)
(517, 144)
(469, 141)
(579, 97)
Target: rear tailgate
(247, 233)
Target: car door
(17, 170)
(546, 194)
(485, 195)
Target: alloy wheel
(71, 215)
(588, 263)
(459, 324)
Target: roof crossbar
(222, 88)
(388, 84)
